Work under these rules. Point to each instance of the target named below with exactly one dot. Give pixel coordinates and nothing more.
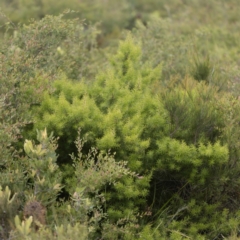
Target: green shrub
(84, 213)
(172, 136)
(32, 58)
(117, 112)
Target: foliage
(34, 56)
(31, 59)
(84, 211)
(41, 158)
(8, 209)
(49, 45)
(122, 122)
(121, 15)
(205, 53)
(171, 132)
(162, 112)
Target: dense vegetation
(119, 120)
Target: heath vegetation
(119, 120)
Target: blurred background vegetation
(182, 34)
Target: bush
(84, 212)
(32, 58)
(172, 136)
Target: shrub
(172, 136)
